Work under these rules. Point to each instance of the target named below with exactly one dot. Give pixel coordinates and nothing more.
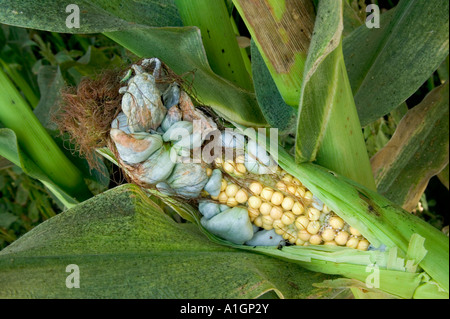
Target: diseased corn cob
(245, 198)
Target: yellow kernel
(313, 213)
(298, 208)
(328, 234)
(276, 212)
(291, 189)
(231, 190)
(336, 222)
(267, 193)
(304, 235)
(279, 227)
(326, 209)
(287, 203)
(330, 243)
(315, 239)
(277, 198)
(256, 188)
(254, 202)
(299, 242)
(281, 186)
(223, 186)
(313, 227)
(258, 221)
(308, 195)
(223, 197)
(296, 181)
(228, 167)
(354, 231)
(288, 218)
(232, 202)
(300, 192)
(352, 242)
(240, 159)
(341, 238)
(265, 208)
(287, 178)
(218, 161)
(241, 168)
(266, 219)
(301, 222)
(208, 171)
(363, 245)
(267, 226)
(253, 213)
(215, 197)
(241, 196)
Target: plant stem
(34, 140)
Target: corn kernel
(254, 202)
(308, 195)
(313, 227)
(240, 159)
(241, 196)
(291, 189)
(279, 227)
(336, 222)
(326, 209)
(341, 238)
(315, 239)
(301, 222)
(352, 242)
(267, 226)
(304, 235)
(258, 221)
(223, 186)
(313, 213)
(231, 190)
(298, 208)
(296, 181)
(328, 234)
(241, 168)
(277, 198)
(288, 218)
(215, 197)
(218, 161)
(287, 203)
(299, 242)
(232, 202)
(363, 245)
(267, 193)
(287, 178)
(266, 219)
(354, 231)
(300, 192)
(223, 197)
(208, 172)
(256, 188)
(228, 167)
(276, 212)
(281, 186)
(253, 213)
(265, 208)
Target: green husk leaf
(414, 37)
(126, 247)
(417, 151)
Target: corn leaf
(94, 16)
(387, 65)
(282, 32)
(182, 50)
(417, 151)
(126, 247)
(277, 113)
(10, 149)
(328, 129)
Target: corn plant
(294, 213)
